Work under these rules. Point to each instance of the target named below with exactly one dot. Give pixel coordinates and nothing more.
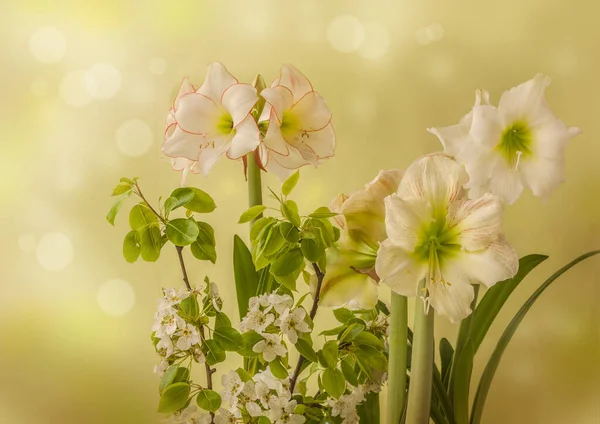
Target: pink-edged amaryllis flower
(212, 121)
(296, 123)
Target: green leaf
(289, 232)
(182, 376)
(259, 225)
(496, 296)
(204, 246)
(131, 248)
(312, 250)
(129, 180)
(330, 354)
(189, 306)
(209, 400)
(213, 352)
(490, 370)
(322, 213)
(446, 354)
(264, 420)
(201, 202)
(289, 263)
(121, 188)
(114, 209)
(334, 382)
(182, 231)
(141, 216)
(348, 370)
(174, 398)
(222, 320)
(370, 358)
(368, 339)
(246, 277)
(333, 331)
(250, 338)
(306, 350)
(351, 332)
(343, 315)
(290, 183)
(462, 381)
(167, 377)
(289, 209)
(179, 197)
(251, 213)
(244, 375)
(228, 338)
(278, 369)
(150, 243)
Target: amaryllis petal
(211, 151)
(403, 220)
(526, 99)
(283, 166)
(273, 139)
(280, 98)
(367, 297)
(453, 301)
(398, 270)
(293, 79)
(543, 175)
(217, 80)
(341, 287)
(238, 100)
(478, 222)
(322, 142)
(181, 144)
(310, 113)
(436, 177)
(336, 206)
(245, 140)
(498, 262)
(185, 166)
(197, 114)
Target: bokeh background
(85, 91)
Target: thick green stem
(397, 362)
(421, 374)
(254, 182)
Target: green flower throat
(515, 143)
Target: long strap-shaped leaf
(492, 366)
(494, 299)
(246, 277)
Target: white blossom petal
(280, 98)
(197, 114)
(478, 222)
(398, 270)
(452, 301)
(217, 80)
(293, 79)
(310, 113)
(245, 140)
(238, 100)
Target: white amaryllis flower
(436, 234)
(299, 128)
(349, 280)
(292, 322)
(521, 143)
(188, 336)
(270, 347)
(212, 121)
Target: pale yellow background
(65, 359)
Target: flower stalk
(397, 361)
(419, 394)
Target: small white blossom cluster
(175, 334)
(192, 415)
(345, 406)
(263, 395)
(276, 310)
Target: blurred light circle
(54, 252)
(115, 297)
(423, 36)
(377, 41)
(436, 32)
(103, 80)
(27, 242)
(48, 44)
(134, 137)
(346, 33)
(442, 68)
(77, 88)
(39, 87)
(157, 65)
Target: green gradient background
(65, 361)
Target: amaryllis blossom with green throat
(350, 278)
(435, 233)
(518, 144)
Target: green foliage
(201, 202)
(246, 278)
(189, 308)
(179, 197)
(114, 209)
(329, 354)
(278, 369)
(250, 338)
(228, 338)
(290, 183)
(141, 216)
(251, 213)
(150, 243)
(462, 380)
(213, 352)
(204, 247)
(174, 398)
(446, 355)
(182, 232)
(168, 377)
(208, 400)
(306, 350)
(343, 315)
(334, 382)
(131, 247)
